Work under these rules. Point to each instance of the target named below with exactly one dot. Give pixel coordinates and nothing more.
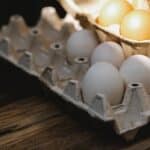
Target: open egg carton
(41, 52)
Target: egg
(137, 69)
(113, 12)
(139, 4)
(136, 25)
(108, 52)
(81, 44)
(105, 79)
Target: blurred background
(29, 9)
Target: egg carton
(40, 52)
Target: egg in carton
(40, 51)
(87, 12)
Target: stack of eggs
(110, 72)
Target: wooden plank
(141, 145)
(27, 118)
(44, 134)
(40, 124)
(26, 112)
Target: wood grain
(39, 123)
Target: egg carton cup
(40, 52)
(85, 12)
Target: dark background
(29, 9)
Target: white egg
(81, 44)
(103, 78)
(137, 69)
(108, 52)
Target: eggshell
(135, 25)
(103, 78)
(113, 12)
(140, 4)
(108, 52)
(137, 69)
(81, 44)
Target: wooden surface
(31, 120)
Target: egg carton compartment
(40, 51)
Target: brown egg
(113, 12)
(140, 4)
(136, 25)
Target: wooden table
(31, 120)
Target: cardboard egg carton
(40, 51)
